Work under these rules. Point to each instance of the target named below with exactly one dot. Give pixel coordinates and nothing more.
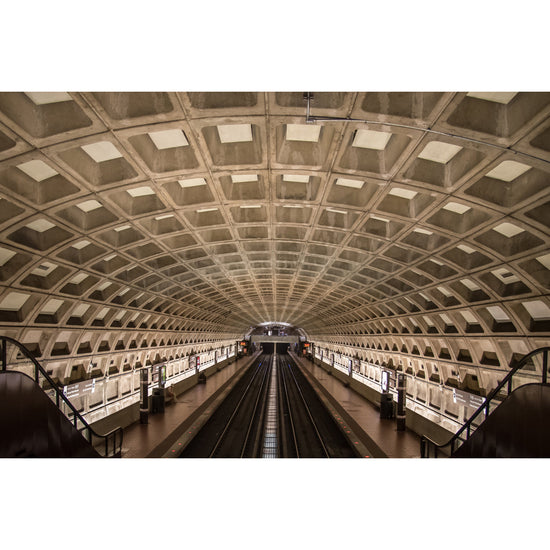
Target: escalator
(517, 428)
(32, 425)
(38, 420)
(509, 424)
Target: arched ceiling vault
(214, 212)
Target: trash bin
(386, 405)
(157, 404)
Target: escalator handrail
(506, 380)
(59, 394)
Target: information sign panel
(385, 381)
(79, 389)
(468, 399)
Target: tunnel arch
(190, 217)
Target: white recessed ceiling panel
(168, 139)
(140, 191)
(43, 98)
(336, 211)
(295, 178)
(88, 206)
(192, 182)
(81, 244)
(466, 248)
(44, 269)
(102, 151)
(356, 184)
(5, 256)
(235, 133)
(403, 193)
(496, 97)
(369, 139)
(545, 261)
(244, 178)
(14, 301)
(37, 170)
(437, 151)
(498, 313)
(471, 285)
(77, 279)
(51, 306)
(40, 225)
(456, 207)
(508, 170)
(508, 229)
(303, 132)
(538, 310)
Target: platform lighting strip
(270, 434)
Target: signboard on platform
(469, 399)
(159, 375)
(385, 381)
(79, 389)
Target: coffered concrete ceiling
(214, 212)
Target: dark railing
(427, 445)
(112, 441)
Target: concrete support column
(401, 401)
(144, 397)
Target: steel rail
(308, 411)
(261, 396)
(284, 394)
(236, 410)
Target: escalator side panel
(31, 425)
(517, 428)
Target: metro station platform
(161, 436)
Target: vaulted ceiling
(427, 212)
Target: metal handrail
(426, 443)
(115, 435)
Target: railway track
(307, 430)
(239, 427)
(235, 429)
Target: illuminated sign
(469, 399)
(385, 381)
(159, 375)
(79, 389)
